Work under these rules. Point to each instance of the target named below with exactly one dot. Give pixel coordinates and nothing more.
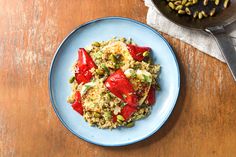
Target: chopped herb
(123, 104)
(106, 69)
(145, 78)
(133, 75)
(158, 87)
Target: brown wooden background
(202, 124)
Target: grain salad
(114, 83)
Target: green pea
(100, 71)
(71, 80)
(130, 124)
(97, 115)
(146, 53)
(113, 58)
(120, 118)
(97, 44)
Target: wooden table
(203, 122)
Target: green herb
(123, 104)
(158, 87)
(106, 69)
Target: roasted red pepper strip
(137, 51)
(120, 86)
(77, 105)
(127, 112)
(85, 63)
(151, 96)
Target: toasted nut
(187, 10)
(177, 2)
(97, 115)
(226, 3)
(217, 2)
(184, 2)
(195, 14)
(200, 16)
(195, 1)
(188, 4)
(204, 14)
(205, 2)
(212, 12)
(179, 7)
(181, 12)
(171, 5)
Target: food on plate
(114, 83)
(198, 9)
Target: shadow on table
(169, 124)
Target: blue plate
(104, 29)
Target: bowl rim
(57, 52)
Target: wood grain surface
(203, 122)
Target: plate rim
(57, 52)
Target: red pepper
(77, 105)
(137, 51)
(127, 111)
(120, 86)
(85, 63)
(77, 96)
(151, 96)
(114, 118)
